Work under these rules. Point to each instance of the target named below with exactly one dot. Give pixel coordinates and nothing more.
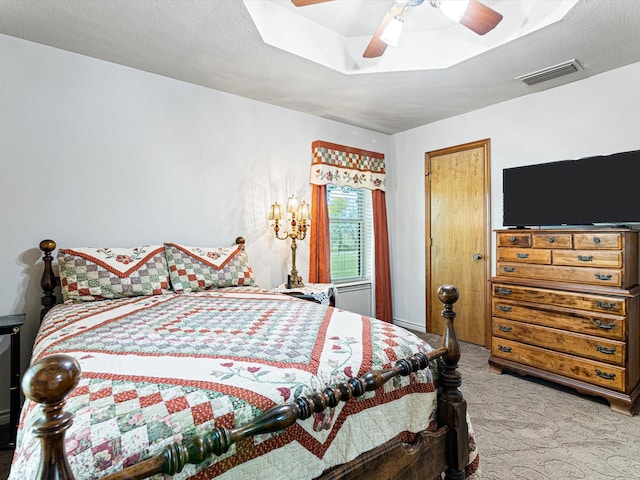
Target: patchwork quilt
(161, 369)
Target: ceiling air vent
(551, 73)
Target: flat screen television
(593, 190)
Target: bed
(169, 360)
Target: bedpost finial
(47, 246)
(51, 379)
(48, 382)
(448, 294)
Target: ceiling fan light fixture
(393, 31)
(454, 9)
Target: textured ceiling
(336, 33)
(215, 43)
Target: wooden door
(458, 237)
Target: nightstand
(10, 325)
(323, 293)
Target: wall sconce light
(297, 215)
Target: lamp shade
(303, 211)
(393, 30)
(275, 213)
(454, 9)
(292, 204)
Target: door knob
(477, 256)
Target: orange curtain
(384, 308)
(319, 246)
(348, 166)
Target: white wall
(595, 116)
(96, 154)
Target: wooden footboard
(51, 379)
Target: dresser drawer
(588, 346)
(588, 258)
(590, 371)
(573, 300)
(603, 326)
(524, 255)
(514, 239)
(597, 240)
(589, 275)
(552, 240)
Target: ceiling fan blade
(304, 3)
(479, 18)
(376, 46)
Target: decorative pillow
(192, 269)
(88, 274)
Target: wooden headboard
(49, 280)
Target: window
(351, 233)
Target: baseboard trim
(409, 325)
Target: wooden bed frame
(51, 379)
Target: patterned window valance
(347, 166)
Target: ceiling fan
(473, 14)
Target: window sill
(354, 285)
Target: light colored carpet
(531, 429)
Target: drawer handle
(605, 305)
(512, 239)
(551, 239)
(599, 276)
(504, 291)
(505, 308)
(522, 255)
(605, 350)
(509, 269)
(596, 240)
(606, 376)
(605, 326)
(504, 349)
(504, 328)
(585, 258)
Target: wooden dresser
(565, 308)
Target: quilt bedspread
(163, 368)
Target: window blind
(351, 233)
